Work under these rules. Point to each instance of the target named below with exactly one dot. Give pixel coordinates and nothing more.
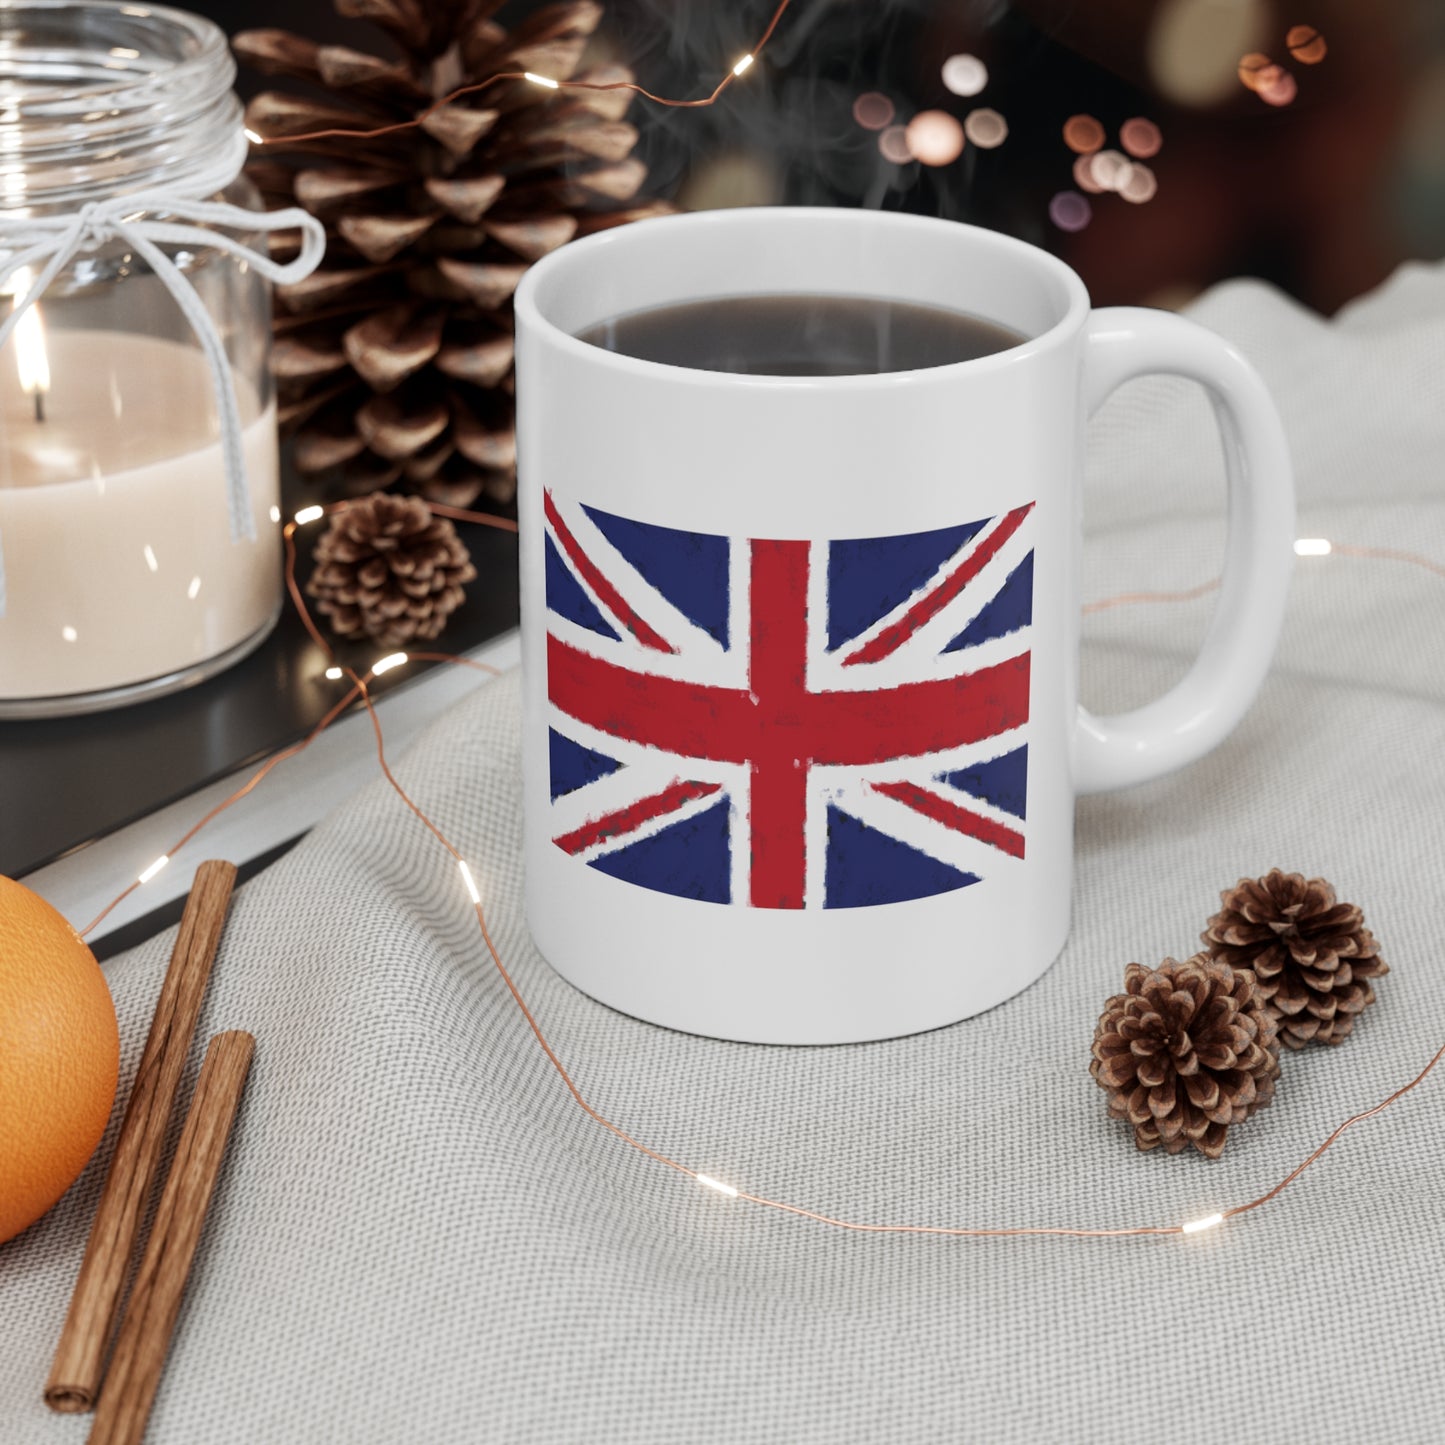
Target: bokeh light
(934, 137)
(1083, 134)
(1110, 170)
(1306, 44)
(1140, 137)
(985, 128)
(1252, 66)
(893, 142)
(1140, 185)
(1278, 88)
(1070, 211)
(873, 111)
(1194, 46)
(1084, 175)
(965, 74)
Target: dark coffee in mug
(801, 335)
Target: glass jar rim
(104, 97)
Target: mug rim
(529, 305)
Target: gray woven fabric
(419, 1237)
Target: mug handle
(1199, 712)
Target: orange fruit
(59, 1056)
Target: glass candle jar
(128, 568)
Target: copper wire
(344, 133)
(1130, 599)
(359, 689)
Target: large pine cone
(394, 360)
(1313, 956)
(1185, 1051)
(388, 570)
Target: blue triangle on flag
(869, 576)
(572, 766)
(1002, 781)
(867, 867)
(1011, 608)
(567, 599)
(690, 569)
(692, 858)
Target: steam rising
(794, 109)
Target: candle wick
(39, 404)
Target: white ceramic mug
(800, 654)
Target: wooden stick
(155, 1298)
(79, 1362)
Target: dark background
(1323, 196)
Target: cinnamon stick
(79, 1362)
(155, 1298)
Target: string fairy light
(472, 889)
(1198, 1226)
(547, 82)
(708, 1182)
(1069, 210)
(146, 874)
(359, 691)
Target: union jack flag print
(788, 724)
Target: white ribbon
(52, 242)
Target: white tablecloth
(419, 1237)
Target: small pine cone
(387, 569)
(1185, 1051)
(1313, 956)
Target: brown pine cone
(387, 569)
(1185, 1051)
(393, 361)
(1313, 956)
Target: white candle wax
(114, 522)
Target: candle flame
(31, 359)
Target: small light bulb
(709, 1182)
(309, 514)
(1208, 1222)
(541, 80)
(332, 674)
(385, 664)
(1313, 547)
(742, 65)
(256, 140)
(469, 880)
(154, 868)
(275, 513)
